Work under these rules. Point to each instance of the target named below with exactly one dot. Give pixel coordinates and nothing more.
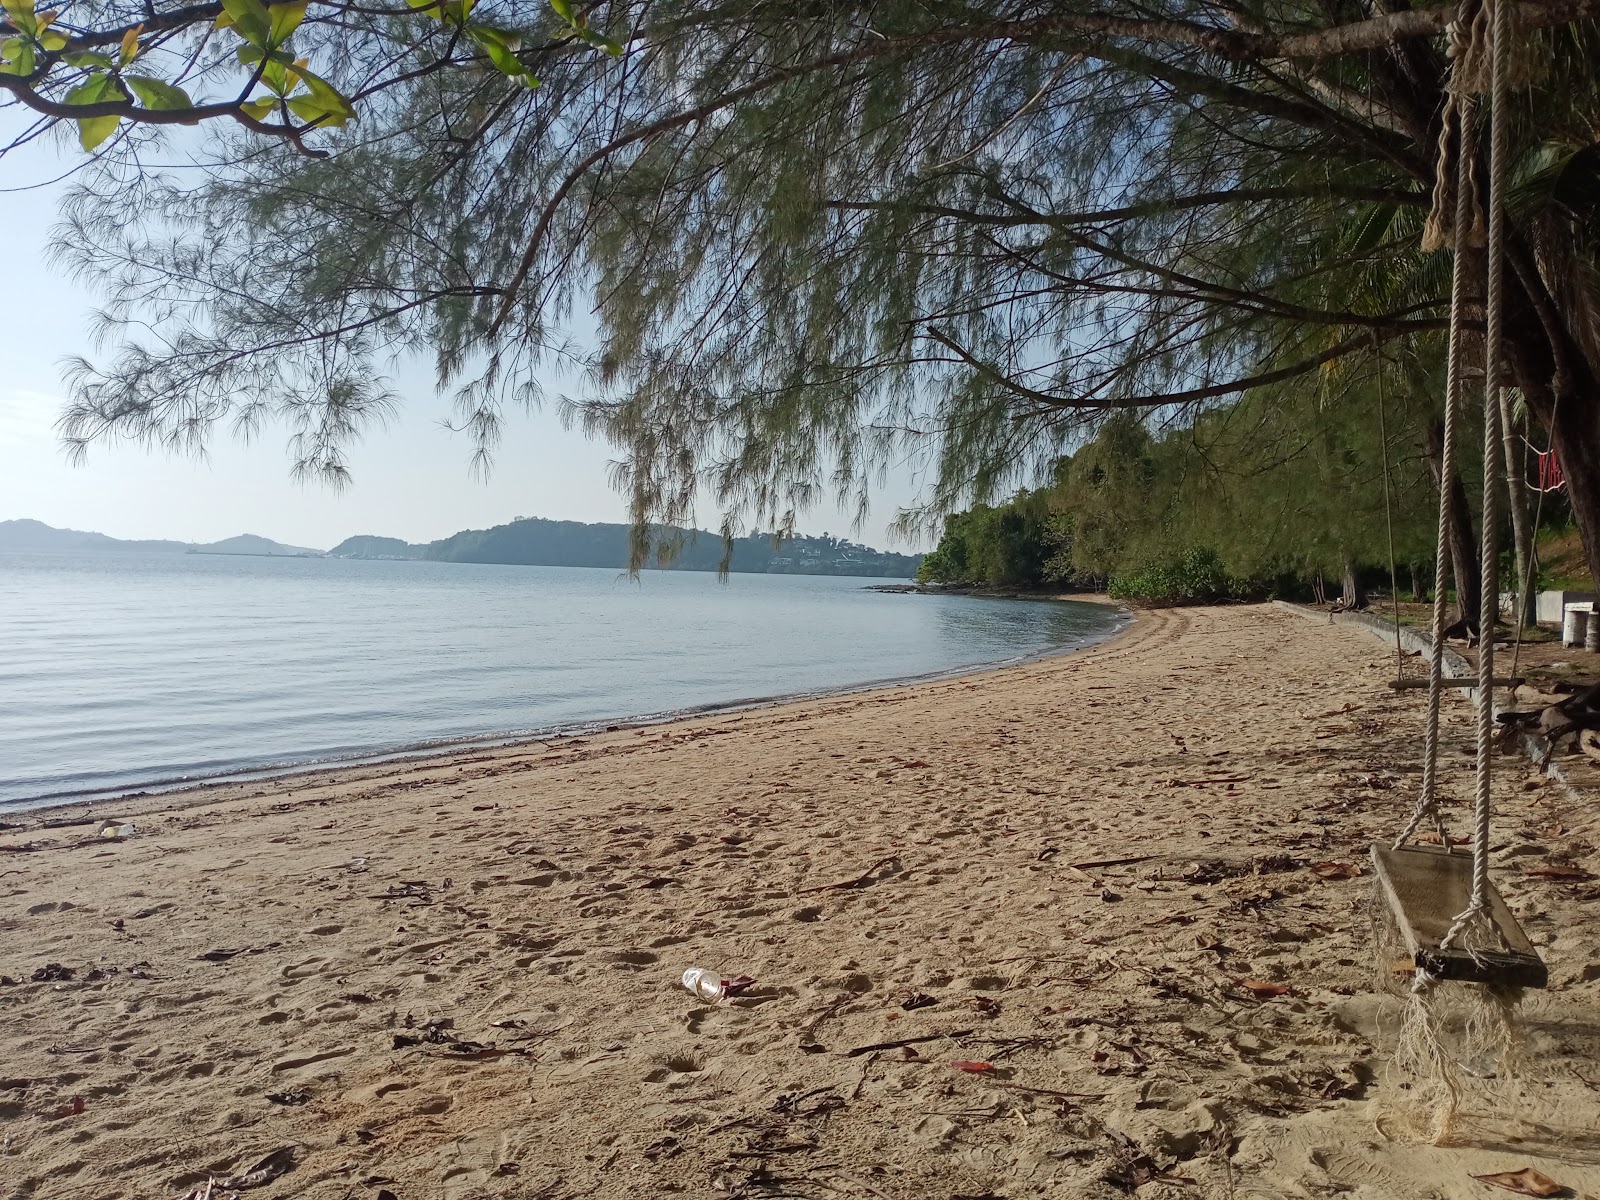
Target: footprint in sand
(674, 1070)
(636, 960)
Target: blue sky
(411, 481)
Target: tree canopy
(813, 239)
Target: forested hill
(537, 542)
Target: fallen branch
(915, 1041)
(865, 879)
(1111, 862)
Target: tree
(815, 240)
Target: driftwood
(1573, 716)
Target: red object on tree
(1550, 477)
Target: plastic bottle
(704, 983)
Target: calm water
(124, 671)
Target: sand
(458, 977)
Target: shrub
(1195, 577)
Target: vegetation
(816, 240)
(1267, 496)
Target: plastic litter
(705, 984)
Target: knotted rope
(1489, 608)
(1427, 807)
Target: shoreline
(1073, 928)
(14, 813)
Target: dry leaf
(1573, 874)
(972, 1068)
(1526, 1182)
(1264, 990)
(1335, 870)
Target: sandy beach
(1076, 928)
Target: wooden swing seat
(1426, 888)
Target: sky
(412, 480)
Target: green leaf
(251, 20)
(52, 41)
(249, 56)
(314, 112)
(496, 46)
(276, 76)
(601, 41)
(285, 19)
(158, 94)
(94, 90)
(332, 100)
(260, 108)
(94, 130)
(1372, 229)
(563, 9)
(18, 55)
(91, 61)
(420, 5)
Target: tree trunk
(1463, 548)
(1521, 518)
(1419, 586)
(1560, 386)
(1355, 596)
(1318, 593)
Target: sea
(124, 672)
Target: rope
(1388, 519)
(1427, 806)
(1464, 35)
(1489, 608)
(1533, 546)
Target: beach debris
(74, 1108)
(436, 1032)
(986, 1006)
(290, 1097)
(884, 868)
(663, 1147)
(53, 973)
(1261, 989)
(916, 1000)
(793, 1104)
(1092, 864)
(910, 1041)
(1335, 870)
(116, 831)
(1564, 874)
(1526, 1182)
(706, 984)
(279, 1162)
(418, 891)
(220, 954)
(738, 985)
(972, 1067)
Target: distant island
(526, 541)
(36, 535)
(533, 541)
